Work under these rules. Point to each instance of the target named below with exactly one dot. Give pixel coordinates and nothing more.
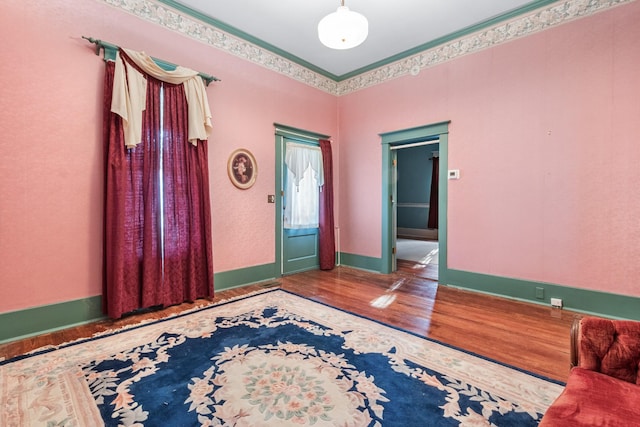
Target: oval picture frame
(242, 168)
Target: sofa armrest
(611, 347)
(575, 332)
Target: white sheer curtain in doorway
(304, 178)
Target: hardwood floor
(426, 271)
(527, 336)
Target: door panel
(300, 250)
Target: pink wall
(546, 133)
(51, 148)
(544, 130)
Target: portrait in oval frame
(242, 168)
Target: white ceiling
(395, 26)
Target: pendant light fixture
(343, 29)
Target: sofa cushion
(594, 399)
(611, 347)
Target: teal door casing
(394, 208)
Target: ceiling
(397, 28)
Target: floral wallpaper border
(538, 20)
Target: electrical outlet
(539, 293)
(556, 302)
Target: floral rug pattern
(273, 359)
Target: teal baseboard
(585, 301)
(33, 321)
(360, 261)
(49, 318)
(244, 276)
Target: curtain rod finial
(97, 42)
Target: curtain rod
(110, 54)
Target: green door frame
(409, 136)
(282, 132)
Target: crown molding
(173, 17)
(521, 26)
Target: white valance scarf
(130, 94)
(299, 157)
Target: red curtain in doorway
(432, 222)
(326, 233)
(157, 226)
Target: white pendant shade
(343, 29)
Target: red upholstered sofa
(603, 388)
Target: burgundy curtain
(157, 244)
(326, 233)
(433, 198)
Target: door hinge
(395, 162)
(393, 250)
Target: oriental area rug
(269, 359)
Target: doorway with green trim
(392, 142)
(297, 248)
